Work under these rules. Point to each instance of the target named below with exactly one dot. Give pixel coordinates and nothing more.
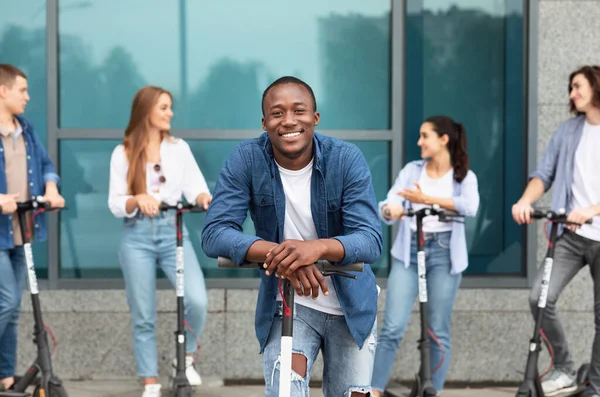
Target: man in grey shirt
(570, 164)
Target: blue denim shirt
(39, 171)
(466, 201)
(557, 164)
(343, 207)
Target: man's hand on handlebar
(579, 216)
(8, 203)
(147, 204)
(393, 211)
(521, 212)
(290, 255)
(54, 200)
(307, 280)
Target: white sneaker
(558, 382)
(152, 390)
(192, 375)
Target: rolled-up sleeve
(48, 171)
(467, 202)
(362, 240)
(401, 182)
(117, 190)
(546, 168)
(223, 231)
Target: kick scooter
(180, 387)
(531, 386)
(423, 386)
(287, 322)
(49, 385)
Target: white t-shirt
(435, 187)
(586, 178)
(299, 225)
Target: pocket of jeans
(372, 341)
(130, 222)
(443, 240)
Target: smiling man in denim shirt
(25, 171)
(310, 197)
(570, 163)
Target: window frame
(394, 136)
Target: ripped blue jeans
(346, 368)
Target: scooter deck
(14, 394)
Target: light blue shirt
(466, 201)
(556, 166)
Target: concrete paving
(215, 388)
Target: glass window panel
(90, 233)
(23, 44)
(217, 74)
(465, 60)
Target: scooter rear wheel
(53, 391)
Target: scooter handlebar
(36, 203)
(323, 265)
(444, 214)
(559, 216)
(181, 206)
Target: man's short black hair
(288, 80)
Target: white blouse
(178, 166)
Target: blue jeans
(13, 271)
(401, 292)
(145, 243)
(346, 367)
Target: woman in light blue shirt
(442, 177)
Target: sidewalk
(215, 388)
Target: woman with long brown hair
(148, 168)
(442, 177)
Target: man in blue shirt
(310, 197)
(25, 172)
(570, 164)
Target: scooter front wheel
(583, 375)
(527, 394)
(183, 391)
(414, 391)
(53, 391)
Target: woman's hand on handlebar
(521, 212)
(579, 216)
(8, 203)
(307, 280)
(203, 200)
(147, 204)
(395, 211)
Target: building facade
(378, 68)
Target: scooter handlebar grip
(450, 213)
(326, 266)
(225, 262)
